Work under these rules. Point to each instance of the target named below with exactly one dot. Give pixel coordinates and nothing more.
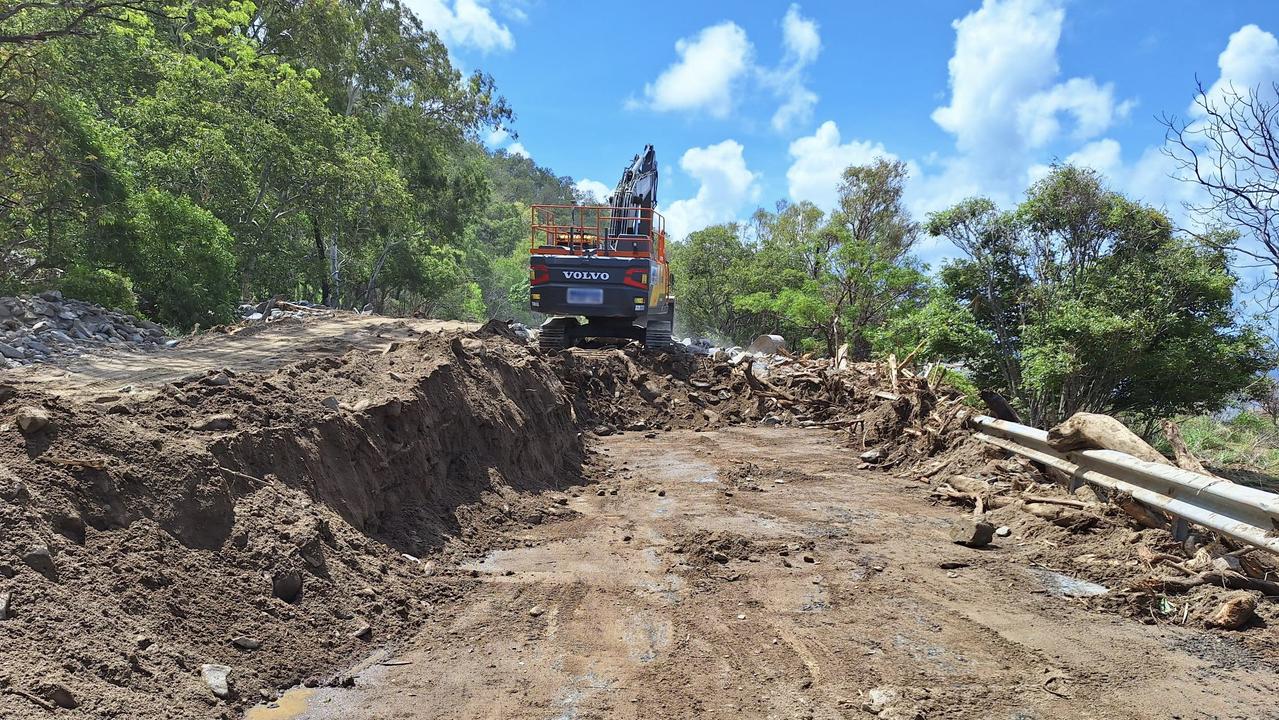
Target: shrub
(101, 286)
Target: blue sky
(749, 103)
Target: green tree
(1082, 300)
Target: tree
(1231, 150)
(1082, 300)
(840, 278)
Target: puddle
(289, 705)
(1067, 586)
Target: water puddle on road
(288, 706)
(1067, 586)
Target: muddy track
(615, 613)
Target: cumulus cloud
(1005, 99)
(726, 187)
(594, 189)
(1251, 59)
(517, 149)
(818, 162)
(704, 78)
(802, 43)
(714, 67)
(1093, 107)
(464, 23)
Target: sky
(751, 103)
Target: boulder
(31, 420)
(216, 677)
(767, 344)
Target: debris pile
(276, 309)
(46, 327)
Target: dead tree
(1230, 148)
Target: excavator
(600, 271)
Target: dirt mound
(273, 524)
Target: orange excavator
(600, 271)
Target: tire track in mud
(635, 621)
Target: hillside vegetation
(175, 157)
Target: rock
(808, 558)
(5, 599)
(536, 611)
(218, 380)
(1235, 612)
(32, 420)
(215, 676)
(51, 295)
(972, 532)
(40, 559)
(11, 352)
(286, 585)
(245, 643)
(767, 344)
(330, 402)
(1003, 531)
(61, 696)
(872, 456)
(363, 631)
(215, 422)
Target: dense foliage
(821, 280)
(181, 156)
(1082, 300)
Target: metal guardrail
(1243, 513)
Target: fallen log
(1090, 431)
(1224, 578)
(1186, 460)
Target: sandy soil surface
(254, 348)
(707, 588)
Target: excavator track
(552, 337)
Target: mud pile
(267, 528)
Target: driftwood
(999, 407)
(1090, 431)
(1186, 460)
(1225, 578)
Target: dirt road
(707, 588)
(254, 348)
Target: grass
(1244, 448)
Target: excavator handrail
(588, 230)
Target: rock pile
(41, 328)
(277, 309)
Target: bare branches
(1230, 148)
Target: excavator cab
(604, 264)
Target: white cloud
(464, 23)
(726, 186)
(1005, 99)
(1251, 58)
(802, 42)
(800, 37)
(1093, 106)
(517, 149)
(713, 68)
(710, 66)
(594, 188)
(818, 162)
(496, 138)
